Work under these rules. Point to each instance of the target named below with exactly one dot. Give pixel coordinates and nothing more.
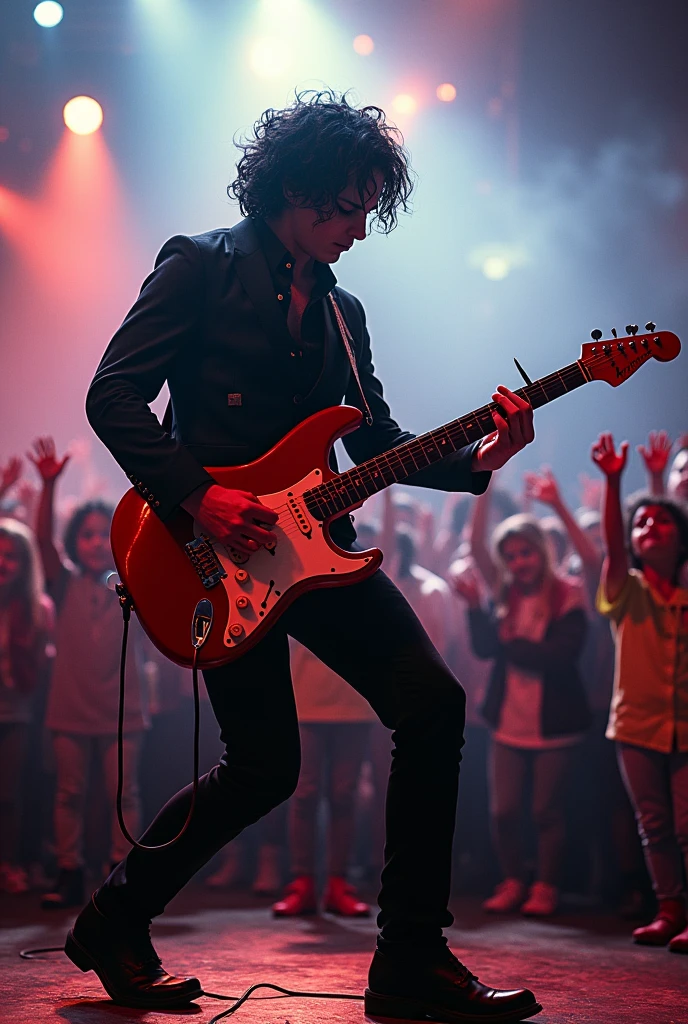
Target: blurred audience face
(523, 562)
(594, 532)
(10, 562)
(557, 538)
(655, 537)
(677, 486)
(93, 544)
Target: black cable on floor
(277, 988)
(33, 954)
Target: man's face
(326, 242)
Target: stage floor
(581, 966)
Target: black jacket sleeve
(561, 646)
(483, 633)
(134, 368)
(451, 474)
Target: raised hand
(464, 582)
(656, 453)
(10, 473)
(543, 487)
(513, 419)
(45, 459)
(606, 457)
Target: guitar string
(331, 494)
(417, 446)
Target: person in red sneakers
(334, 723)
(535, 703)
(640, 593)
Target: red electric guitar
(167, 568)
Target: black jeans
(370, 636)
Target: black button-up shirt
(309, 349)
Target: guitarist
(240, 324)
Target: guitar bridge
(204, 560)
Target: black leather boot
(123, 957)
(409, 990)
(67, 892)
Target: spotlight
(364, 45)
(446, 92)
(269, 57)
(48, 14)
(83, 115)
(496, 268)
(404, 103)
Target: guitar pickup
(299, 515)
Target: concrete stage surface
(582, 966)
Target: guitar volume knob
(236, 630)
(242, 602)
(241, 576)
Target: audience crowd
(568, 630)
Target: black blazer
(208, 322)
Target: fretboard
(349, 489)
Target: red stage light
(83, 115)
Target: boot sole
(383, 1009)
(82, 959)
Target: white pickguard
(301, 553)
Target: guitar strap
(348, 340)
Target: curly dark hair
(76, 521)
(677, 512)
(315, 148)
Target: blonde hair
(527, 528)
(29, 584)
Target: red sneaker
(298, 899)
(679, 943)
(669, 922)
(340, 898)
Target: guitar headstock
(617, 359)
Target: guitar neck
(347, 490)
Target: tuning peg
(649, 326)
(595, 335)
(614, 331)
(631, 329)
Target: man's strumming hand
(233, 517)
(513, 419)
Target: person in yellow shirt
(641, 595)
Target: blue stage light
(48, 14)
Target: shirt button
(288, 266)
(280, 297)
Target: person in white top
(535, 703)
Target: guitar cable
(200, 628)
